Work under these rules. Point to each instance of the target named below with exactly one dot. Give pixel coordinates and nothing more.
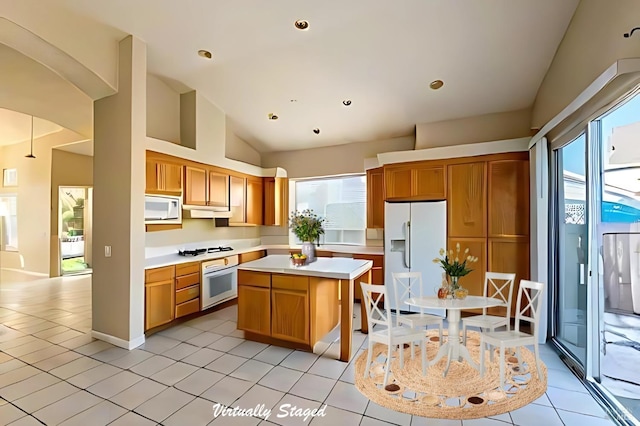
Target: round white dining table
(452, 347)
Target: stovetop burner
(197, 252)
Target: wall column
(118, 209)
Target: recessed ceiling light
(436, 84)
(293, 100)
(205, 54)
(316, 131)
(272, 116)
(346, 102)
(301, 24)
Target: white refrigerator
(414, 233)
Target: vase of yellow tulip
(456, 265)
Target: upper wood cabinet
(195, 186)
(508, 201)
(238, 199)
(466, 201)
(415, 182)
(375, 198)
(218, 190)
(255, 201)
(162, 176)
(276, 201)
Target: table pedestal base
(452, 348)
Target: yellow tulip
(466, 250)
(436, 260)
(458, 247)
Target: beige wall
(67, 169)
(163, 111)
(240, 150)
(195, 230)
(333, 160)
(481, 128)
(34, 195)
(118, 180)
(593, 42)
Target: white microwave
(160, 209)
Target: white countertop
(342, 268)
(175, 258)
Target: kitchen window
(341, 201)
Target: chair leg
(482, 349)
(401, 351)
(535, 348)
(369, 358)
(440, 334)
(386, 372)
(501, 365)
(412, 350)
(423, 354)
(518, 356)
(464, 334)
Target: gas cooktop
(199, 251)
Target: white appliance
(219, 281)
(414, 233)
(162, 209)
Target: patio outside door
(74, 229)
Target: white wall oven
(219, 281)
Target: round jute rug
(462, 394)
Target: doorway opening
(74, 229)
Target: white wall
(163, 110)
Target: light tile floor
(53, 372)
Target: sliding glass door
(571, 248)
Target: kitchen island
(285, 305)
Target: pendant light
(31, 153)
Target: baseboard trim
(126, 344)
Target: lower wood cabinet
(159, 296)
(254, 309)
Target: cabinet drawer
(253, 255)
(255, 279)
(187, 308)
(290, 282)
(187, 280)
(187, 268)
(159, 274)
(187, 294)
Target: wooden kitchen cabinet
(467, 200)
(159, 296)
(415, 182)
(187, 289)
(276, 201)
(218, 189)
(237, 199)
(195, 186)
(255, 197)
(510, 255)
(252, 255)
(377, 272)
(254, 302)
(508, 200)
(375, 198)
(290, 308)
(162, 176)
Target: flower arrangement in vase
(455, 265)
(307, 226)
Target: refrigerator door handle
(407, 244)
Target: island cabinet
(159, 292)
(288, 310)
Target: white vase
(309, 249)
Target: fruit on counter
(298, 256)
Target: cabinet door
(375, 198)
(238, 200)
(195, 186)
(254, 309)
(218, 189)
(510, 255)
(254, 201)
(171, 177)
(276, 201)
(466, 202)
(159, 303)
(428, 183)
(397, 182)
(508, 204)
(151, 175)
(290, 316)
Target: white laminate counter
(341, 268)
(175, 259)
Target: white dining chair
(530, 295)
(404, 287)
(499, 286)
(391, 335)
